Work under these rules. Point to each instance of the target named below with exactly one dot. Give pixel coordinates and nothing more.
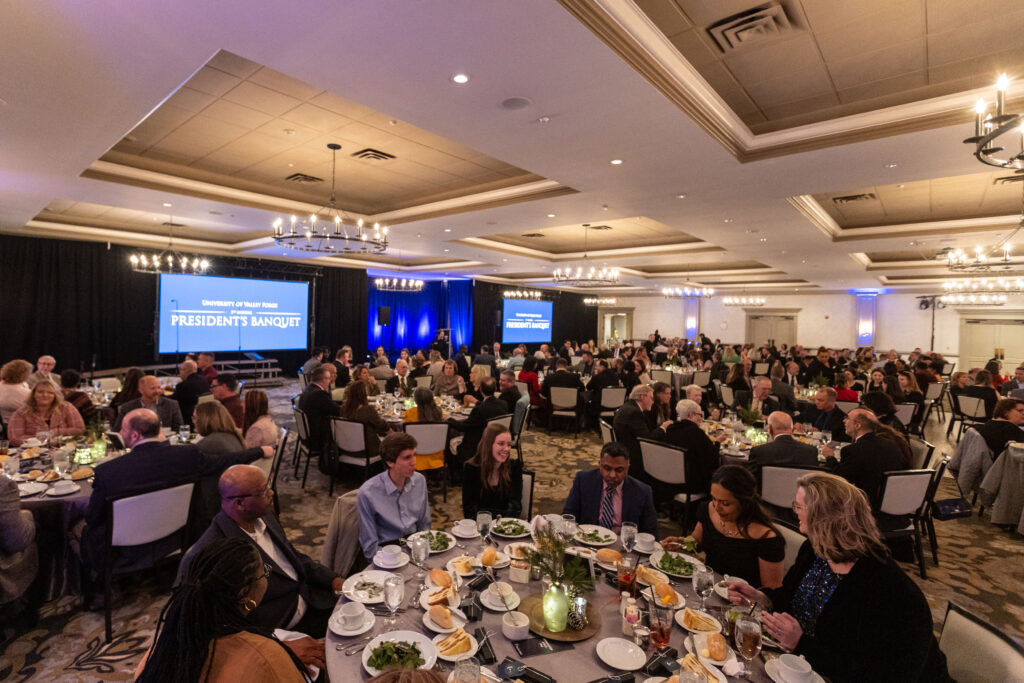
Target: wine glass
(747, 636)
(627, 536)
(394, 593)
(703, 583)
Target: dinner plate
(496, 605)
(58, 491)
(656, 556)
(428, 593)
(722, 589)
(700, 642)
(679, 620)
(374, 576)
(607, 534)
(511, 548)
(337, 626)
(500, 561)
(621, 654)
(429, 623)
(30, 489)
(451, 540)
(771, 667)
(427, 650)
(651, 598)
(378, 559)
(496, 530)
(450, 565)
(473, 647)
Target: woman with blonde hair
(473, 393)
(845, 604)
(258, 427)
(45, 410)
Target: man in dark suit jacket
(462, 363)
(783, 449)
(630, 423)
(189, 389)
(630, 500)
(473, 426)
(702, 454)
(509, 391)
(864, 462)
(341, 362)
(152, 462)
(1015, 384)
(824, 416)
(785, 393)
(822, 365)
(300, 592)
(760, 398)
(316, 402)
(485, 358)
(561, 377)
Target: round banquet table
(577, 664)
(59, 567)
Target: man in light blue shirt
(393, 504)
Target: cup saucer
(378, 559)
(646, 551)
(338, 627)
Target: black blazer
(282, 597)
(488, 360)
(406, 384)
(630, 423)
(584, 501)
(877, 625)
(474, 425)
(783, 450)
(785, 394)
(511, 396)
(344, 375)
(602, 380)
(318, 406)
(768, 406)
(560, 378)
(865, 462)
(187, 394)
(702, 454)
(833, 423)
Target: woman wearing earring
(203, 633)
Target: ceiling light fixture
(616, 162)
(168, 260)
(460, 79)
(393, 284)
(984, 286)
(328, 223)
(748, 301)
(584, 277)
(611, 301)
(687, 292)
(521, 294)
(973, 299)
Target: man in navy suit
(608, 496)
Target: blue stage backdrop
(416, 317)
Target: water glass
(466, 671)
(703, 583)
(394, 593)
(747, 637)
(627, 535)
(43, 437)
(11, 466)
(419, 549)
(483, 522)
(183, 433)
(835, 451)
(826, 437)
(567, 528)
(60, 463)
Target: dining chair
(934, 396)
(793, 539)
(303, 444)
(972, 412)
(424, 381)
(904, 493)
(846, 406)
(431, 440)
(662, 376)
(527, 499)
(607, 433)
(778, 487)
(565, 403)
(612, 399)
(205, 398)
(760, 369)
(728, 396)
(350, 440)
(303, 381)
(505, 420)
(921, 452)
(667, 464)
(275, 466)
(702, 378)
(976, 651)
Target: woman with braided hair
(203, 633)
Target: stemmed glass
(483, 522)
(466, 671)
(627, 536)
(568, 528)
(419, 549)
(394, 593)
(703, 583)
(747, 636)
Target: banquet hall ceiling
(212, 116)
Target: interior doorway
(778, 326)
(616, 325)
(982, 338)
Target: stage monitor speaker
(384, 315)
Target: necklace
(735, 533)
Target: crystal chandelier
(989, 286)
(168, 260)
(521, 294)
(748, 301)
(973, 299)
(611, 301)
(393, 284)
(687, 292)
(326, 232)
(960, 261)
(583, 276)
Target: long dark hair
(256, 406)
(426, 409)
(664, 410)
(485, 460)
(129, 388)
(355, 398)
(204, 607)
(738, 481)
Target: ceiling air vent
(171, 224)
(373, 154)
(303, 178)
(760, 22)
(533, 234)
(599, 227)
(852, 198)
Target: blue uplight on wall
(415, 317)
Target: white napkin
(732, 667)
(283, 635)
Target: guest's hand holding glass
(742, 593)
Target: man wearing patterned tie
(608, 496)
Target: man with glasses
(225, 389)
(300, 591)
(865, 462)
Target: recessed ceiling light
(544, 119)
(447, 229)
(783, 251)
(727, 220)
(764, 239)
(680, 196)
(447, 250)
(616, 162)
(168, 204)
(551, 215)
(891, 165)
(505, 260)
(460, 78)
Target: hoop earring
(248, 605)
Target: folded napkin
(283, 635)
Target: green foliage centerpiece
(567, 577)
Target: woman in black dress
(492, 481)
(734, 531)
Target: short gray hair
(641, 390)
(685, 408)
(690, 387)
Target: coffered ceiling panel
(614, 234)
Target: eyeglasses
(266, 571)
(264, 492)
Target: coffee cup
(645, 542)
(352, 614)
(515, 625)
(500, 589)
(391, 554)
(794, 669)
(465, 526)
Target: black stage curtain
(572, 319)
(341, 310)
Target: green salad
(371, 588)
(675, 565)
(396, 655)
(438, 540)
(509, 527)
(594, 536)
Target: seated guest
(382, 368)
(204, 361)
(586, 364)
(719, 369)
(425, 410)
(204, 632)
(759, 398)
(822, 365)
(45, 410)
(640, 368)
(1015, 384)
(884, 409)
(529, 375)
(214, 424)
(435, 364)
(701, 452)
(315, 401)
(517, 359)
(627, 375)
(868, 458)
(735, 531)
(925, 374)
(912, 394)
(44, 371)
(792, 376)
(737, 379)
(608, 496)
(357, 407)
(844, 604)
(983, 389)
(473, 426)
(561, 377)
(604, 377)
(994, 367)
(782, 449)
(14, 387)
(151, 462)
(844, 388)
(189, 389)
(486, 358)
(300, 592)
(449, 382)
(259, 428)
(225, 389)
(315, 358)
(875, 381)
(631, 423)
(19, 557)
(473, 393)
(400, 381)
(419, 365)
(151, 396)
(342, 361)
(462, 362)
(492, 480)
(662, 408)
(129, 391)
(694, 392)
(393, 504)
(509, 391)
(782, 390)
(361, 373)
(1005, 425)
(823, 416)
(69, 381)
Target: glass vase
(555, 604)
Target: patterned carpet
(979, 566)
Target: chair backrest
(338, 394)
(921, 451)
(301, 424)
(527, 498)
(793, 539)
(760, 369)
(971, 406)
(206, 398)
(846, 406)
(905, 412)
(431, 437)
(702, 378)
(976, 652)
(108, 384)
(778, 483)
(275, 465)
(381, 385)
(662, 462)
(524, 390)
(520, 418)
(612, 397)
(148, 516)
(607, 433)
(904, 491)
(349, 435)
(728, 397)
(933, 391)
(303, 381)
(505, 419)
(424, 381)
(661, 376)
(947, 368)
(564, 398)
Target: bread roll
(608, 556)
(666, 594)
(440, 577)
(716, 646)
(34, 474)
(441, 616)
(488, 556)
